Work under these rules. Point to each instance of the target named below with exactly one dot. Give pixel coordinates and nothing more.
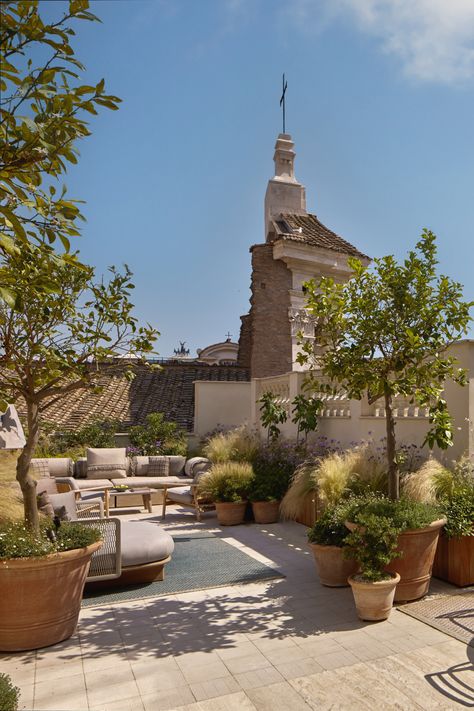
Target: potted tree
(227, 485)
(327, 539)
(374, 544)
(384, 334)
(57, 322)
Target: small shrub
(227, 482)
(57, 443)
(329, 529)
(373, 544)
(273, 464)
(458, 508)
(405, 514)
(157, 436)
(17, 541)
(9, 694)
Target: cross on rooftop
(282, 100)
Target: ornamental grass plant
(237, 445)
(227, 482)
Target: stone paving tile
(151, 678)
(66, 693)
(334, 660)
(209, 671)
(297, 668)
(210, 688)
(258, 677)
(26, 697)
(231, 702)
(166, 699)
(131, 704)
(111, 684)
(249, 662)
(277, 697)
(98, 660)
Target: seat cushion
(182, 495)
(66, 501)
(150, 482)
(98, 484)
(106, 462)
(143, 542)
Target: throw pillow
(106, 463)
(44, 504)
(66, 501)
(40, 468)
(158, 466)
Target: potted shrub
(42, 579)
(373, 542)
(9, 694)
(273, 465)
(327, 539)
(227, 485)
(454, 560)
(419, 525)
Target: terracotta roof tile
(169, 390)
(309, 230)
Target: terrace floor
(286, 644)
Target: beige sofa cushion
(106, 463)
(152, 482)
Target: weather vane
(282, 100)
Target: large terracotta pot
(266, 511)
(454, 560)
(333, 568)
(417, 547)
(374, 601)
(41, 598)
(230, 514)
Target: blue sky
(379, 103)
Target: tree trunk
(27, 483)
(393, 474)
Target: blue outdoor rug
(199, 562)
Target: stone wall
(269, 324)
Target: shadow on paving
(456, 683)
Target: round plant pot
(41, 598)
(415, 564)
(332, 567)
(266, 511)
(374, 601)
(230, 514)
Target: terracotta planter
(374, 601)
(266, 511)
(415, 565)
(454, 560)
(41, 598)
(333, 568)
(230, 514)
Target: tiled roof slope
(169, 390)
(309, 230)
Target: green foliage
(272, 415)
(329, 529)
(157, 436)
(405, 514)
(273, 464)
(18, 541)
(9, 694)
(373, 544)
(305, 414)
(227, 482)
(97, 433)
(384, 333)
(458, 508)
(236, 445)
(44, 113)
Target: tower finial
(282, 100)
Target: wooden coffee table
(124, 493)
